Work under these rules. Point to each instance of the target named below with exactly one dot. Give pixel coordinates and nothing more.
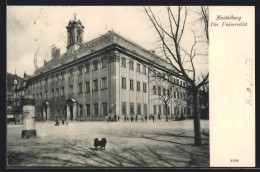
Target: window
(46, 81)
(131, 84)
(168, 92)
(80, 70)
(104, 83)
(62, 92)
(184, 84)
(80, 88)
(159, 91)
(103, 63)
(144, 69)
(37, 96)
(145, 109)
(104, 109)
(124, 108)
(184, 96)
(40, 96)
(87, 68)
(87, 87)
(154, 89)
(95, 85)
(57, 77)
(95, 110)
(80, 110)
(177, 81)
(95, 65)
(123, 83)
(154, 109)
(144, 87)
(174, 80)
(177, 94)
(46, 96)
(123, 62)
(181, 83)
(174, 94)
(159, 110)
(57, 92)
(138, 109)
(131, 65)
(71, 89)
(132, 109)
(138, 67)
(164, 92)
(181, 95)
(71, 73)
(138, 86)
(88, 109)
(52, 93)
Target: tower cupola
(75, 31)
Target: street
(137, 144)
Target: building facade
(109, 75)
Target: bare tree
(181, 58)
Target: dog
(102, 143)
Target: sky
(33, 30)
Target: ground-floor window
(132, 109)
(95, 109)
(104, 109)
(124, 108)
(159, 109)
(80, 110)
(87, 110)
(154, 109)
(138, 109)
(145, 109)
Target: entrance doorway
(71, 109)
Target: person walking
(153, 118)
(136, 118)
(145, 118)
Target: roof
(106, 40)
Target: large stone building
(107, 75)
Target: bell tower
(74, 34)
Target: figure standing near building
(145, 117)
(136, 118)
(153, 118)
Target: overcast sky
(39, 27)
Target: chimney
(55, 52)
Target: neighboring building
(107, 75)
(16, 91)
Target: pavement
(137, 144)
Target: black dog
(101, 143)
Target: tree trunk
(166, 109)
(197, 132)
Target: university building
(107, 75)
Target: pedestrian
(136, 118)
(132, 118)
(118, 118)
(125, 118)
(109, 117)
(142, 118)
(153, 118)
(57, 122)
(62, 122)
(115, 118)
(145, 117)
